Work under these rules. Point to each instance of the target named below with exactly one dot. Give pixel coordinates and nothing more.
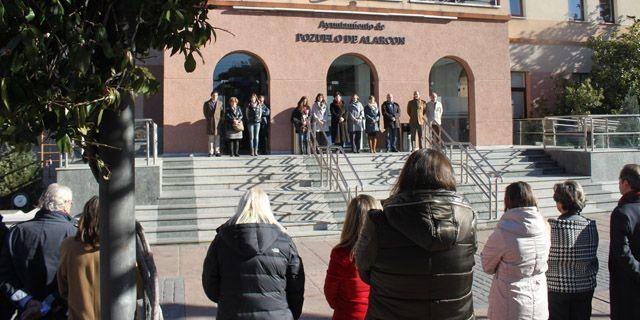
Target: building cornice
(310, 8)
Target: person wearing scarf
(624, 247)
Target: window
(606, 11)
(576, 10)
(519, 95)
(449, 79)
(515, 7)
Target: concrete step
(246, 161)
(242, 185)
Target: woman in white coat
(516, 255)
(356, 123)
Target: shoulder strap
(377, 216)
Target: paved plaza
(180, 268)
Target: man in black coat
(6, 308)
(391, 114)
(31, 253)
(624, 247)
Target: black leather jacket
(418, 256)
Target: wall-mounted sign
(350, 38)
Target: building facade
(488, 60)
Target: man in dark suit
(624, 247)
(391, 114)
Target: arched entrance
(239, 75)
(449, 79)
(350, 75)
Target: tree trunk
(117, 215)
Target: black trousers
(570, 306)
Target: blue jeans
(303, 141)
(254, 135)
(392, 138)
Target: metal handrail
(328, 160)
(485, 181)
(586, 126)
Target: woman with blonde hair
(345, 292)
(252, 269)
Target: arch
(239, 74)
(373, 73)
(249, 68)
(453, 80)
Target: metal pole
(544, 133)
(148, 141)
(607, 130)
(155, 143)
(490, 200)
(520, 131)
(593, 136)
(117, 221)
(586, 135)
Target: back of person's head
(89, 224)
(254, 207)
(570, 195)
(631, 174)
(425, 169)
(357, 211)
(519, 194)
(56, 198)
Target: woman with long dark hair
(301, 122)
(417, 253)
(347, 295)
(79, 270)
(516, 255)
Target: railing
(588, 132)
(469, 166)
(145, 135)
(328, 160)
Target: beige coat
(79, 279)
(516, 255)
(417, 110)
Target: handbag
(237, 126)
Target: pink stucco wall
(297, 69)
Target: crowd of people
(410, 256)
(339, 123)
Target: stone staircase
(199, 194)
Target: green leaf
(190, 63)
(64, 143)
(30, 16)
(3, 88)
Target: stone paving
(180, 270)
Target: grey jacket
(356, 117)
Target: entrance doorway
(449, 79)
(239, 75)
(350, 75)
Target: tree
(616, 65)
(582, 98)
(69, 68)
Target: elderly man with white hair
(30, 255)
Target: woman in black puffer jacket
(417, 253)
(252, 269)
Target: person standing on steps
(301, 121)
(434, 117)
(321, 120)
(417, 109)
(213, 111)
(391, 113)
(339, 114)
(624, 247)
(372, 115)
(264, 124)
(356, 122)
(254, 118)
(234, 126)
